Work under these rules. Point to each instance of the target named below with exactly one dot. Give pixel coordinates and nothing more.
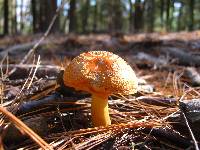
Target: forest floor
(163, 114)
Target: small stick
(26, 129)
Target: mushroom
(100, 73)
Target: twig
(183, 57)
(26, 129)
(20, 48)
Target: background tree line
(99, 16)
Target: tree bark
(167, 25)
(115, 13)
(191, 15)
(52, 8)
(15, 17)
(162, 4)
(130, 16)
(171, 16)
(138, 16)
(47, 11)
(192, 74)
(150, 15)
(182, 57)
(34, 16)
(179, 25)
(72, 16)
(6, 19)
(118, 19)
(85, 14)
(95, 16)
(42, 25)
(21, 17)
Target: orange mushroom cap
(102, 73)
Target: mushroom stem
(100, 113)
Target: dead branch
(37, 104)
(158, 101)
(151, 59)
(193, 75)
(183, 58)
(169, 136)
(31, 66)
(19, 49)
(23, 70)
(192, 109)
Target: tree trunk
(167, 16)
(138, 16)
(42, 24)
(52, 8)
(115, 12)
(47, 11)
(21, 17)
(95, 17)
(85, 14)
(191, 15)
(118, 19)
(14, 18)
(149, 7)
(6, 14)
(130, 16)
(103, 25)
(34, 16)
(171, 16)
(162, 4)
(72, 16)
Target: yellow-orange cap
(100, 72)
